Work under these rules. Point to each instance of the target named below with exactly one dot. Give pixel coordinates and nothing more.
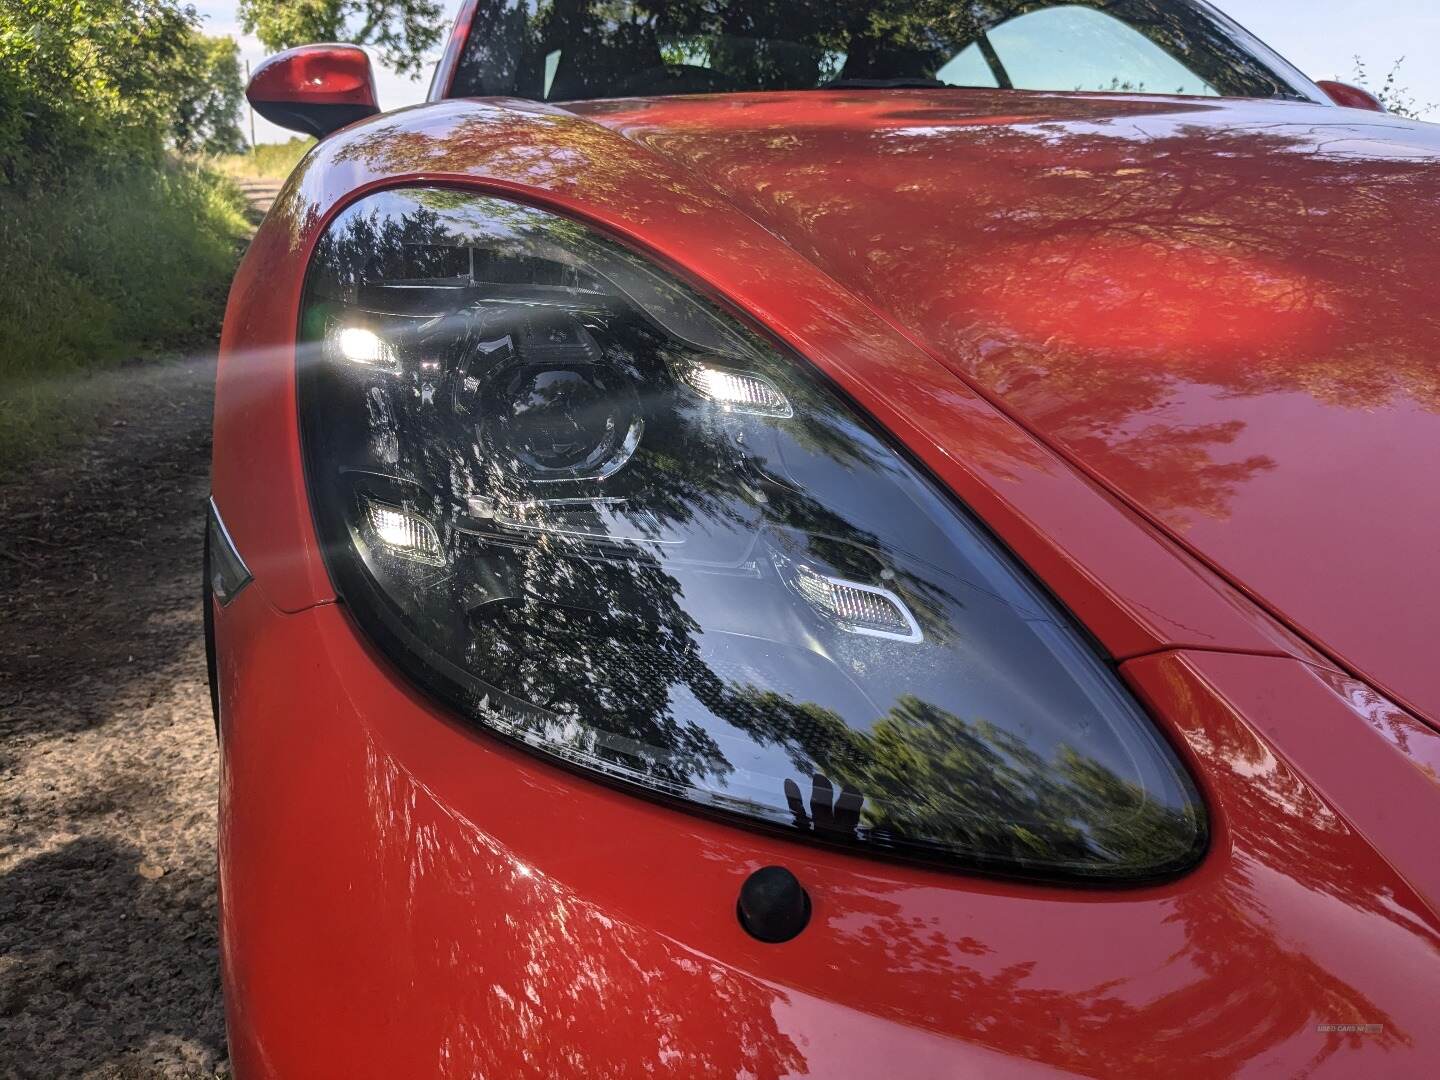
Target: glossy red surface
(316, 74)
(1352, 97)
(1138, 591)
(403, 896)
(444, 75)
(1228, 313)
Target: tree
(208, 93)
(86, 83)
(403, 30)
(1396, 98)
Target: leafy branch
(1396, 98)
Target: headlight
(595, 514)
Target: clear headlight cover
(595, 514)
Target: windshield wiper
(912, 83)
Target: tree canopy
(109, 83)
(208, 97)
(402, 30)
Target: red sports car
(865, 539)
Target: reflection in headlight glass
(592, 512)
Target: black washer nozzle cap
(773, 905)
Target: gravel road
(107, 752)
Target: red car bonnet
(1227, 312)
(1186, 361)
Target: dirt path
(107, 752)
(108, 945)
(260, 191)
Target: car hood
(1228, 313)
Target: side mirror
(1352, 97)
(314, 89)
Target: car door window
(1069, 47)
(968, 68)
(576, 50)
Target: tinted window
(1079, 48)
(564, 50)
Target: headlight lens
(594, 513)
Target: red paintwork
(403, 896)
(317, 75)
(1228, 313)
(1352, 97)
(444, 76)
(1139, 592)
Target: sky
(1320, 37)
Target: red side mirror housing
(1352, 97)
(314, 89)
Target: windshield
(569, 50)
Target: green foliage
(275, 160)
(113, 265)
(1395, 97)
(209, 92)
(102, 269)
(85, 80)
(108, 247)
(403, 30)
(109, 83)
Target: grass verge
(99, 271)
(273, 160)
